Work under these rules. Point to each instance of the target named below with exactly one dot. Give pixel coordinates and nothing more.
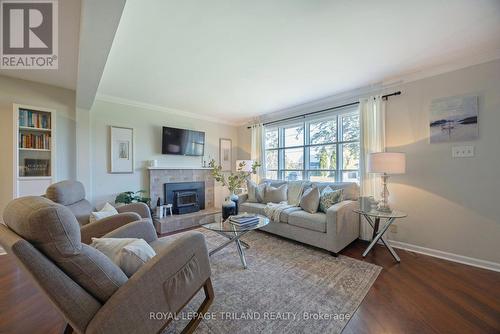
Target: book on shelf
(34, 141)
(34, 119)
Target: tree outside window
(325, 149)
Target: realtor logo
(29, 34)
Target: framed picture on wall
(454, 119)
(225, 152)
(121, 150)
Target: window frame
(306, 170)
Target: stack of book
(244, 220)
(33, 119)
(31, 140)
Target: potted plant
(128, 197)
(233, 181)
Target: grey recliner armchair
(90, 291)
(72, 195)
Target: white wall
(147, 126)
(35, 94)
(453, 204)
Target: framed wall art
(225, 153)
(454, 119)
(122, 150)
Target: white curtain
(372, 123)
(257, 150)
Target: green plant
(232, 180)
(128, 197)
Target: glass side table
(389, 217)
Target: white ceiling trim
(450, 66)
(154, 107)
(383, 87)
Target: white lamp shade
(247, 167)
(387, 162)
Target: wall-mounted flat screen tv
(183, 142)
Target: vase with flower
(233, 181)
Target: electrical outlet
(393, 228)
(466, 151)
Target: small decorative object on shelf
(36, 167)
(366, 203)
(228, 208)
(167, 210)
(234, 180)
(159, 209)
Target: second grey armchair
(71, 194)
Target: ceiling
(69, 28)
(232, 60)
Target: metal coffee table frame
(234, 234)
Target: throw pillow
(310, 200)
(127, 253)
(107, 211)
(134, 255)
(275, 195)
(329, 197)
(255, 191)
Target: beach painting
(454, 119)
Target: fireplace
(185, 197)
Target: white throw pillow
(134, 255)
(107, 211)
(127, 253)
(275, 195)
(255, 191)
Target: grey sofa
(90, 291)
(332, 231)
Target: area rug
(288, 288)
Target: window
(320, 149)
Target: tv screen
(182, 142)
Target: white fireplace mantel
(178, 168)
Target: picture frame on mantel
(121, 150)
(225, 153)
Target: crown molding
(380, 87)
(453, 65)
(155, 107)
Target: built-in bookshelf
(34, 131)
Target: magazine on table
(244, 219)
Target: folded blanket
(274, 210)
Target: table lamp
(386, 163)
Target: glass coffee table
(233, 233)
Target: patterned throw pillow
(329, 197)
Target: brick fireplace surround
(158, 176)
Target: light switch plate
(466, 151)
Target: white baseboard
(447, 256)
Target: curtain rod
(327, 109)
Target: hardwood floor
(420, 295)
